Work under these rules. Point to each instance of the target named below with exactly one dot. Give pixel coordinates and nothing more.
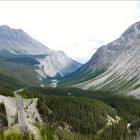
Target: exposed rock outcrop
(120, 61)
(50, 63)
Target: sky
(78, 28)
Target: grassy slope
(79, 77)
(25, 74)
(9, 81)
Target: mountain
(56, 64)
(17, 41)
(115, 66)
(16, 46)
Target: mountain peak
(19, 42)
(16, 41)
(114, 66)
(4, 27)
(8, 28)
(132, 31)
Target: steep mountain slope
(114, 66)
(58, 63)
(18, 46)
(17, 41)
(23, 73)
(9, 82)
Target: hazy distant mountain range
(18, 47)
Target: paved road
(21, 118)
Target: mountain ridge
(16, 43)
(114, 66)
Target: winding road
(21, 118)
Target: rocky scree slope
(116, 66)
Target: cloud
(96, 41)
(76, 27)
(75, 44)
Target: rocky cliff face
(120, 60)
(53, 63)
(57, 64)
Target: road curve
(21, 118)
